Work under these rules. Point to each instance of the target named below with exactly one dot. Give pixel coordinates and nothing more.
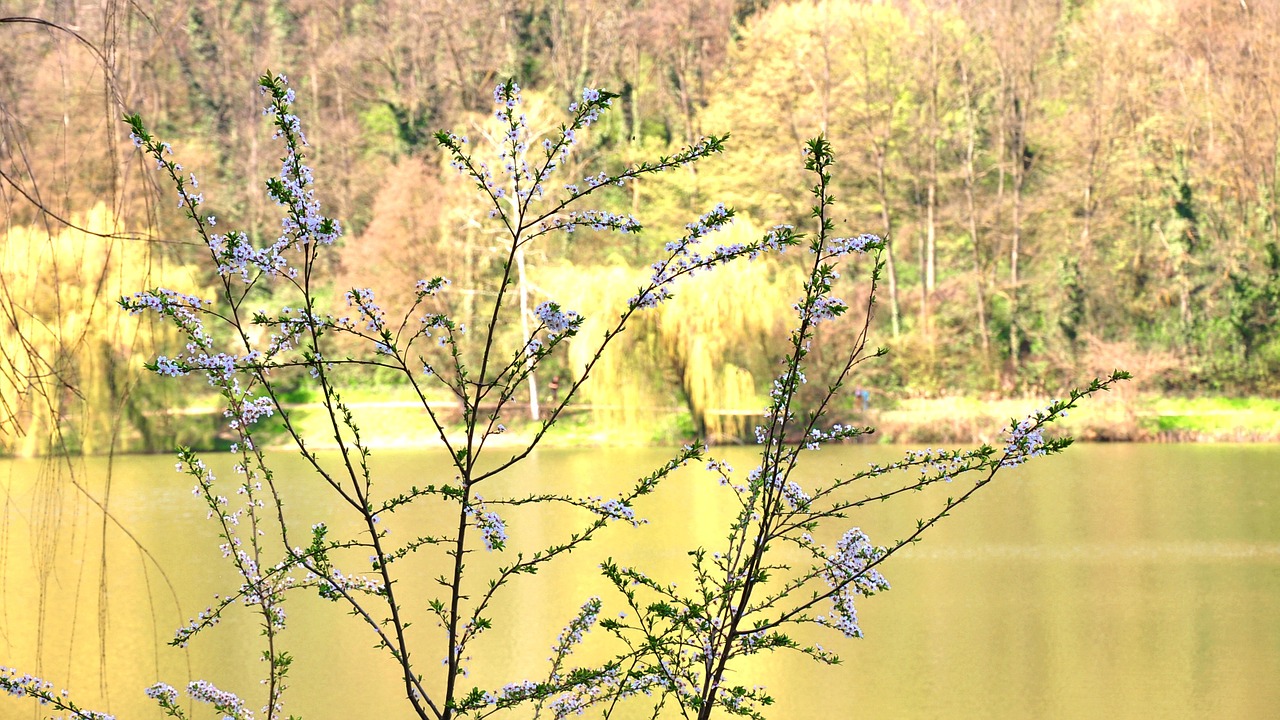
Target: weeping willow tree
(628, 387)
(707, 352)
(720, 335)
(69, 359)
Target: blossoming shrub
(677, 647)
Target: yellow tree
(69, 359)
(834, 68)
(1105, 95)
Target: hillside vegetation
(1067, 186)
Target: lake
(1115, 581)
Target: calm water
(1114, 582)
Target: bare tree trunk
(971, 207)
(886, 224)
(1021, 167)
(584, 57)
(931, 200)
(534, 413)
(1014, 249)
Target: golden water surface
(1124, 581)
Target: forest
(1065, 186)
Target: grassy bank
(1142, 418)
(390, 418)
(395, 422)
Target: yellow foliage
(721, 321)
(715, 338)
(68, 350)
(835, 68)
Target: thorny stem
(771, 475)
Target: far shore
(389, 422)
(960, 419)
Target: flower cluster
(493, 531)
(944, 464)
(612, 509)
(506, 96)
(684, 260)
(717, 218)
(816, 436)
(249, 411)
(370, 312)
(222, 700)
(204, 619)
(181, 309)
(720, 467)
(847, 572)
(525, 182)
(27, 685)
(1025, 439)
(600, 179)
(775, 482)
(164, 694)
(594, 219)
(303, 224)
(606, 685)
(236, 256)
(577, 628)
(335, 581)
(261, 588)
(851, 245)
(429, 288)
(824, 307)
(557, 321)
(594, 101)
(160, 151)
(220, 368)
(512, 693)
(779, 238)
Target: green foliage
(384, 131)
